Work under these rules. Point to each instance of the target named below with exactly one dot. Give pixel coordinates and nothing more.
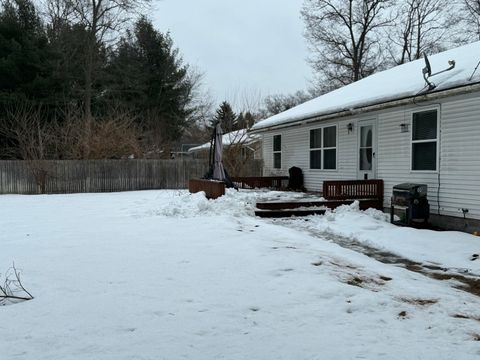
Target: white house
(392, 126)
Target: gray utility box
(409, 202)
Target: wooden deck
(270, 182)
(369, 194)
(288, 212)
(301, 208)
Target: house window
(277, 151)
(424, 140)
(323, 148)
(316, 149)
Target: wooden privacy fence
(78, 176)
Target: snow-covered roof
(400, 82)
(232, 138)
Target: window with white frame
(425, 140)
(277, 151)
(323, 148)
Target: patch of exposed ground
(402, 314)
(355, 276)
(461, 278)
(421, 302)
(467, 317)
(363, 282)
(475, 336)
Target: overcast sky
(241, 46)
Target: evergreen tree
(225, 116)
(147, 74)
(24, 53)
(67, 61)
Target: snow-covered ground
(171, 275)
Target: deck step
(288, 212)
(278, 205)
(276, 209)
(331, 204)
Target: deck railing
(271, 182)
(353, 189)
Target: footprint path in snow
(461, 278)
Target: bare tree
(58, 13)
(471, 16)
(200, 108)
(113, 136)
(344, 38)
(275, 104)
(30, 137)
(421, 26)
(239, 154)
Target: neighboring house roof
(238, 137)
(403, 81)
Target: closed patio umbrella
(218, 170)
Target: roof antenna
(474, 71)
(427, 71)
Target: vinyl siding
(296, 152)
(394, 154)
(459, 151)
(460, 157)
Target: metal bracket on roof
(427, 71)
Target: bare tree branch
(343, 37)
(471, 18)
(422, 26)
(12, 289)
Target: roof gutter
(460, 90)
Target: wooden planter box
(213, 189)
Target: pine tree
(24, 52)
(147, 75)
(225, 116)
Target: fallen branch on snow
(12, 290)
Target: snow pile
(190, 205)
(354, 210)
(234, 203)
